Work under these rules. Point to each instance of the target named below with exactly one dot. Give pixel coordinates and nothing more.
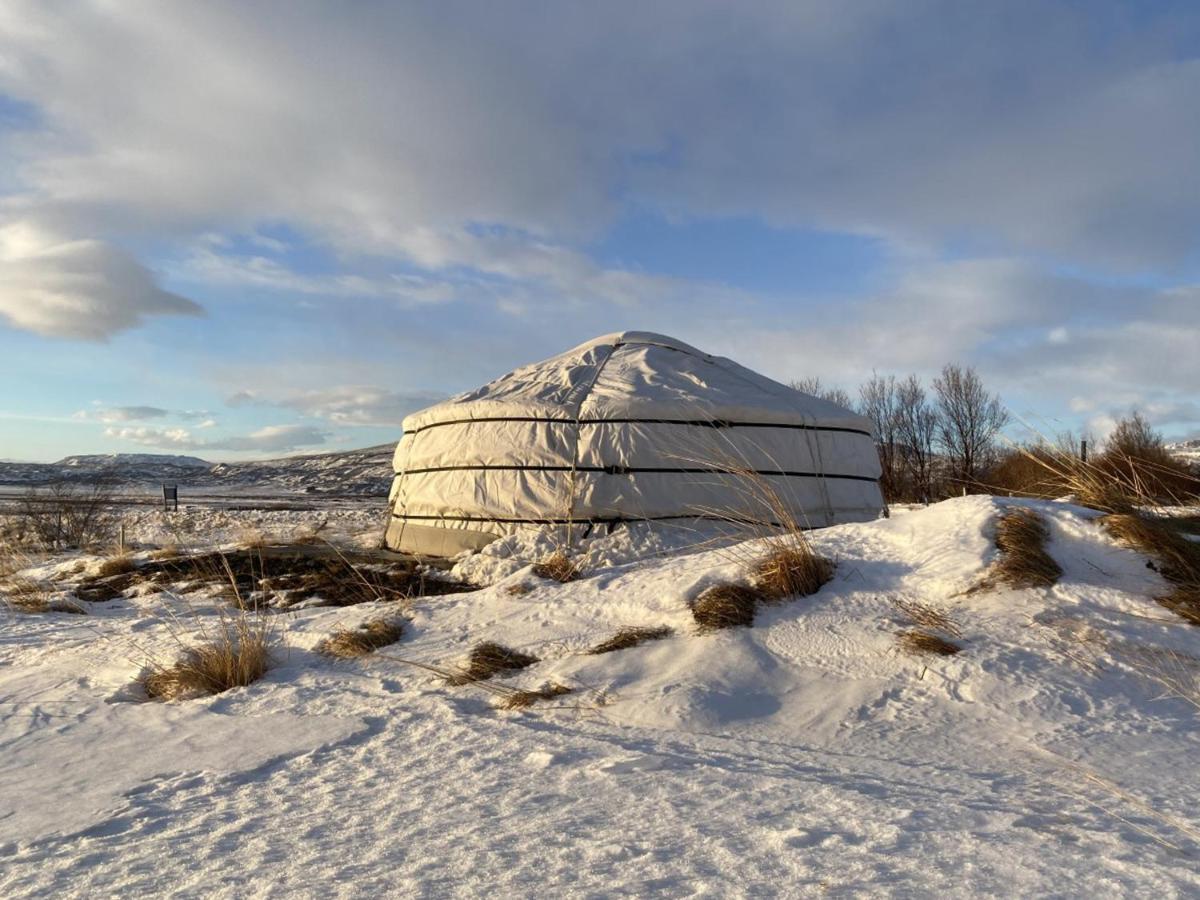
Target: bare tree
(916, 431)
(877, 401)
(1135, 438)
(813, 386)
(970, 418)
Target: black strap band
(584, 520)
(695, 423)
(634, 470)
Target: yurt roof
(638, 376)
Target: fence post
(1083, 450)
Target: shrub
(64, 514)
(1028, 472)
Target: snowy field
(804, 756)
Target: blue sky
(236, 231)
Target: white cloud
(346, 404)
(271, 439)
(213, 267)
(112, 414)
(109, 415)
(919, 124)
(1128, 347)
(85, 289)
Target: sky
(238, 230)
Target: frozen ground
(803, 756)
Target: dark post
(170, 497)
(1083, 450)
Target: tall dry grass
(1130, 488)
(1114, 482)
(1177, 558)
(235, 652)
(772, 543)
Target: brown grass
(237, 653)
(519, 589)
(929, 618)
(31, 595)
(349, 643)
(725, 606)
(251, 539)
(1178, 559)
(631, 636)
(557, 567)
(121, 564)
(790, 568)
(1184, 601)
(488, 659)
(1021, 537)
(526, 699)
(926, 643)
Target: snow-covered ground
(802, 756)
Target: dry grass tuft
(1184, 601)
(121, 564)
(236, 654)
(929, 618)
(922, 642)
(790, 569)
(631, 636)
(725, 606)
(251, 539)
(1178, 558)
(526, 699)
(558, 567)
(349, 643)
(1021, 536)
(519, 589)
(488, 659)
(170, 551)
(31, 595)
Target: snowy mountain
(362, 472)
(118, 460)
(1188, 451)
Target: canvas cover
(627, 427)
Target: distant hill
(111, 460)
(364, 472)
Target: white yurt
(629, 427)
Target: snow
(804, 755)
